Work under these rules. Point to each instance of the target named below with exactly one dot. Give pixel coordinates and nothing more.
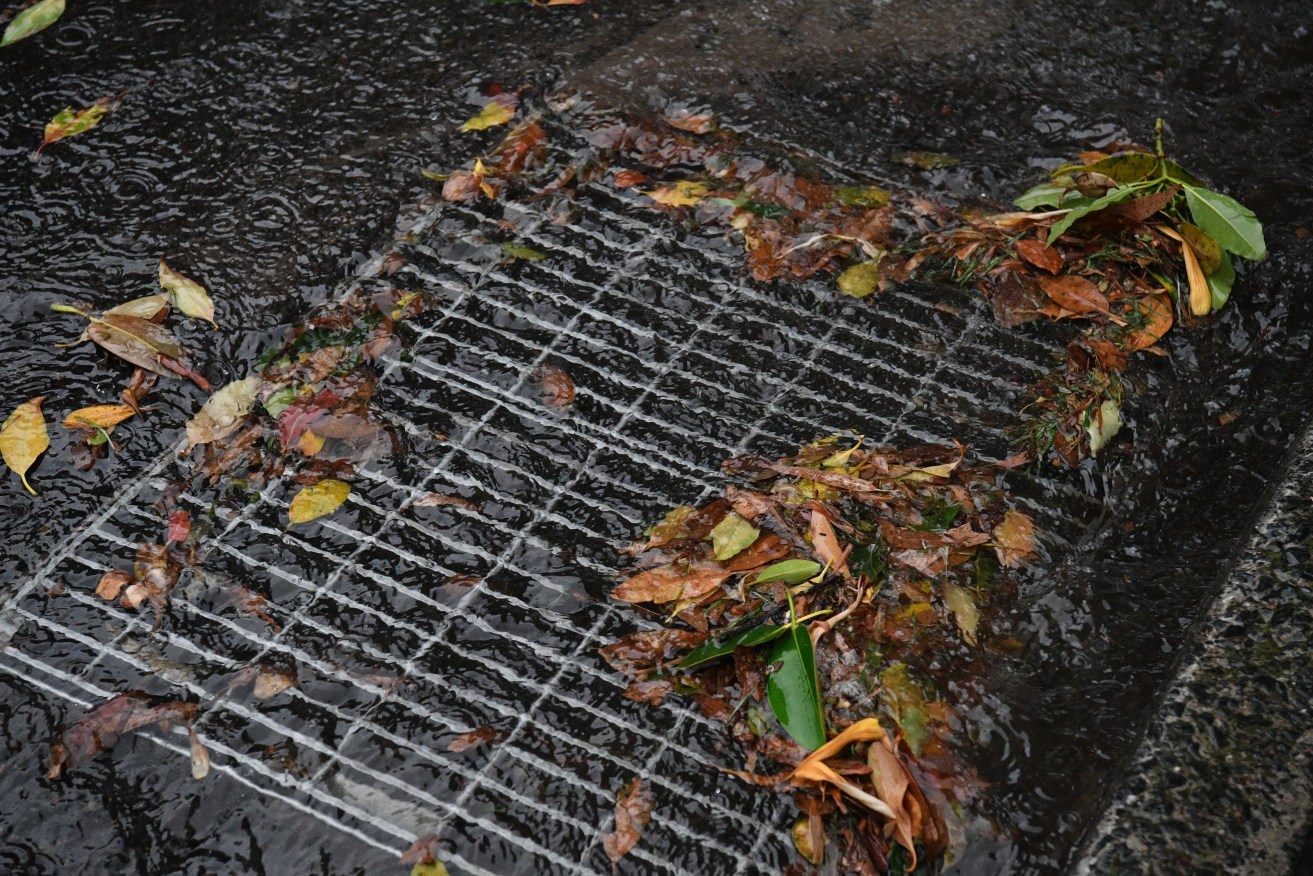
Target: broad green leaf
(1177, 173)
(1221, 281)
(788, 572)
(222, 413)
(1103, 424)
(317, 500)
(1231, 224)
(1046, 195)
(69, 122)
(792, 690)
(749, 638)
(187, 295)
(33, 19)
(23, 438)
(732, 535)
(1115, 196)
(1127, 167)
(862, 196)
(498, 111)
(861, 279)
(522, 251)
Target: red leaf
(100, 728)
(179, 527)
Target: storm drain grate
(493, 616)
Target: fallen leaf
(762, 551)
(860, 280)
(33, 19)
(731, 535)
(271, 681)
(98, 417)
(69, 122)
(894, 785)
(1014, 538)
(179, 527)
(523, 252)
(200, 758)
(223, 412)
(1075, 294)
(643, 650)
(498, 111)
(793, 689)
(422, 855)
(789, 572)
(671, 582)
(1201, 297)
(317, 500)
(146, 307)
(554, 386)
(633, 810)
(187, 295)
(926, 160)
(685, 193)
(965, 612)
(439, 500)
(1155, 312)
(112, 583)
(477, 736)
(1209, 251)
(808, 840)
(138, 341)
(814, 770)
(1041, 255)
(693, 122)
(100, 728)
(826, 543)
(23, 438)
(1103, 425)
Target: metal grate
(678, 363)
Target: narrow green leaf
(1115, 196)
(1227, 221)
(517, 250)
(749, 638)
(732, 535)
(788, 572)
(33, 19)
(1221, 281)
(792, 690)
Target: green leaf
(788, 572)
(518, 250)
(187, 295)
(70, 123)
(732, 535)
(1177, 173)
(1231, 224)
(1127, 167)
(279, 401)
(792, 690)
(861, 279)
(1221, 281)
(871, 560)
(33, 19)
(1115, 196)
(862, 196)
(1046, 195)
(749, 638)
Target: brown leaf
(651, 692)
(694, 123)
(270, 681)
(633, 810)
(671, 582)
(765, 549)
(1075, 294)
(112, 584)
(643, 650)
(1141, 208)
(826, 544)
(1156, 311)
(477, 736)
(1016, 301)
(1014, 538)
(421, 851)
(1110, 356)
(838, 480)
(554, 386)
(1041, 255)
(965, 536)
(100, 728)
(438, 500)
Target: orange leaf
(1041, 255)
(668, 583)
(826, 543)
(1157, 312)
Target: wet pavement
(273, 150)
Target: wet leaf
(521, 251)
(439, 500)
(138, 341)
(484, 735)
(926, 160)
(1208, 250)
(98, 417)
(1075, 294)
(1221, 281)
(749, 638)
(1046, 195)
(1232, 225)
(732, 535)
(793, 690)
(896, 788)
(671, 582)
(317, 500)
(693, 122)
(643, 650)
(862, 196)
(815, 771)
(223, 412)
(809, 842)
(422, 855)
(187, 295)
(111, 584)
(1127, 167)
(69, 122)
(498, 111)
(685, 193)
(200, 758)
(146, 307)
(789, 572)
(33, 19)
(1141, 208)
(1014, 538)
(23, 438)
(100, 728)
(1041, 255)
(965, 612)
(271, 681)
(633, 810)
(826, 543)
(1115, 196)
(554, 386)
(179, 527)
(860, 280)
(1156, 313)
(1103, 425)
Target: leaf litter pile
(803, 609)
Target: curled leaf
(317, 500)
(186, 294)
(69, 122)
(33, 19)
(100, 728)
(554, 386)
(23, 438)
(223, 412)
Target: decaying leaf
(815, 770)
(554, 386)
(112, 583)
(1155, 314)
(860, 280)
(1103, 425)
(200, 758)
(633, 810)
(1074, 294)
(140, 342)
(439, 500)
(100, 728)
(1014, 538)
(33, 19)
(317, 500)
(270, 681)
(732, 535)
(223, 412)
(179, 527)
(1040, 255)
(422, 856)
(498, 111)
(965, 613)
(69, 122)
(685, 193)
(187, 295)
(23, 439)
(671, 582)
(478, 736)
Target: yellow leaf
(310, 443)
(1014, 538)
(861, 279)
(23, 438)
(432, 868)
(1201, 299)
(188, 296)
(498, 111)
(317, 500)
(98, 416)
(965, 612)
(682, 194)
